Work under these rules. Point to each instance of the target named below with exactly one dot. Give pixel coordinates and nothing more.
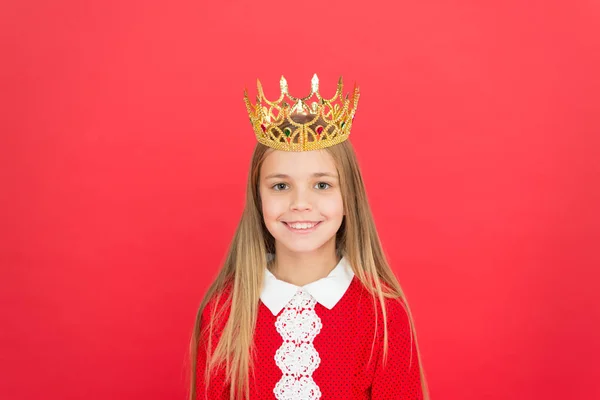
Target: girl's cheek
(332, 204)
(272, 207)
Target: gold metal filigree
(300, 127)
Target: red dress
(309, 351)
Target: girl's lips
(303, 231)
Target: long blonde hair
(243, 269)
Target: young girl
(306, 305)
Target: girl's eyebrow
(315, 175)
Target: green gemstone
(343, 123)
(287, 131)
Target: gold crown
(300, 127)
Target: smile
(303, 227)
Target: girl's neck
(303, 268)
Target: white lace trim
(298, 324)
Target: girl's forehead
(289, 162)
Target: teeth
(302, 226)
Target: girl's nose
(301, 200)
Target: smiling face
(301, 200)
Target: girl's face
(301, 199)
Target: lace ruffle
(298, 324)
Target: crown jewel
(290, 124)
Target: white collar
(275, 293)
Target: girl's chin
(301, 245)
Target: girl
(305, 305)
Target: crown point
(299, 108)
(340, 86)
(315, 83)
(283, 85)
(259, 86)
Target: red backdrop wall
(124, 151)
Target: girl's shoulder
(217, 307)
(395, 306)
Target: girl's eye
(283, 186)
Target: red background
(125, 146)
